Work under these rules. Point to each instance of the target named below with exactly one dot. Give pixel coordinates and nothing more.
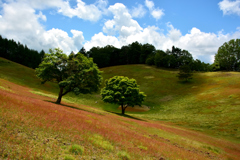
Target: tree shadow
(185, 82)
(69, 106)
(119, 114)
(127, 116)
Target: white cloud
(121, 22)
(149, 4)
(101, 40)
(138, 11)
(200, 44)
(230, 7)
(92, 12)
(83, 11)
(155, 12)
(41, 16)
(20, 22)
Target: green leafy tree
(228, 55)
(147, 51)
(159, 59)
(122, 91)
(73, 73)
(185, 73)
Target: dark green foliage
(228, 55)
(185, 73)
(160, 59)
(84, 52)
(16, 52)
(73, 73)
(147, 51)
(122, 91)
(150, 60)
(215, 66)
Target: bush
(76, 149)
(68, 157)
(123, 155)
(150, 61)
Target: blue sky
(197, 26)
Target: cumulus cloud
(200, 44)
(92, 12)
(83, 11)
(101, 40)
(138, 12)
(149, 4)
(155, 12)
(122, 23)
(123, 30)
(230, 7)
(19, 21)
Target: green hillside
(83, 127)
(209, 103)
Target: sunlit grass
(33, 128)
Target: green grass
(209, 103)
(33, 128)
(100, 142)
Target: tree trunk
(123, 109)
(60, 96)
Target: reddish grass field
(33, 127)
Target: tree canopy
(122, 91)
(73, 73)
(228, 55)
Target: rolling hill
(197, 120)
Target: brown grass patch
(167, 98)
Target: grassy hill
(209, 103)
(83, 127)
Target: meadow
(196, 120)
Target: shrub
(76, 149)
(69, 157)
(123, 155)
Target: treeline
(19, 53)
(136, 53)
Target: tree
(159, 59)
(84, 52)
(147, 51)
(73, 73)
(185, 73)
(122, 91)
(228, 55)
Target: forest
(137, 53)
(227, 57)
(20, 53)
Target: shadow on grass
(69, 106)
(127, 116)
(119, 114)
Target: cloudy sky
(199, 26)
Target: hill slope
(209, 103)
(32, 126)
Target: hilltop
(32, 126)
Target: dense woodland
(136, 53)
(19, 53)
(226, 58)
